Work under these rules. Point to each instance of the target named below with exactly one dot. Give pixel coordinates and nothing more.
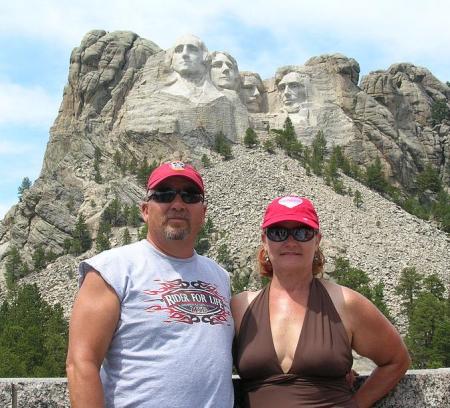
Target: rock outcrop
(126, 96)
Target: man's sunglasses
(279, 234)
(167, 196)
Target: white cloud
(66, 21)
(412, 23)
(8, 147)
(396, 31)
(31, 106)
(384, 31)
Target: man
(252, 90)
(292, 91)
(188, 63)
(224, 71)
(151, 325)
(189, 58)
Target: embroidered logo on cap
(290, 201)
(177, 165)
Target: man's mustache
(177, 215)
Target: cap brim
(296, 218)
(156, 182)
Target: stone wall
(418, 389)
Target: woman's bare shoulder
(240, 303)
(341, 295)
(244, 299)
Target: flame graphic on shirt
(189, 302)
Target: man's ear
(144, 211)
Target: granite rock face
(408, 92)
(387, 116)
(124, 94)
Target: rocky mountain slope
(123, 96)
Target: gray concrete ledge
(418, 389)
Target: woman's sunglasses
(167, 196)
(301, 234)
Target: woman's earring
(316, 258)
(266, 257)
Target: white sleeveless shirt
(172, 344)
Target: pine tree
(33, 336)
(202, 243)
(288, 129)
(357, 199)
(113, 214)
(206, 161)
(103, 235)
(352, 278)
(359, 280)
(375, 177)
(426, 315)
(145, 170)
(222, 146)
(97, 176)
(134, 216)
(439, 111)
(224, 258)
(82, 235)
(379, 300)
(50, 256)
(441, 210)
(97, 159)
(97, 154)
(432, 284)
(331, 169)
(408, 288)
(240, 282)
(125, 213)
(286, 139)
(15, 267)
(269, 146)
(209, 227)
(117, 158)
(39, 258)
(24, 186)
(143, 232)
(295, 149)
(429, 179)
(126, 237)
(67, 245)
(250, 138)
(318, 153)
(133, 165)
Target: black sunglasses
(279, 234)
(167, 196)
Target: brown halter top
(322, 358)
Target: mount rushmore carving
(131, 86)
(125, 94)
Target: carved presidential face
(224, 72)
(251, 91)
(188, 57)
(292, 90)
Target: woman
(294, 338)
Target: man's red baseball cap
(291, 208)
(172, 169)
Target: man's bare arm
(94, 318)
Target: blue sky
(37, 36)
